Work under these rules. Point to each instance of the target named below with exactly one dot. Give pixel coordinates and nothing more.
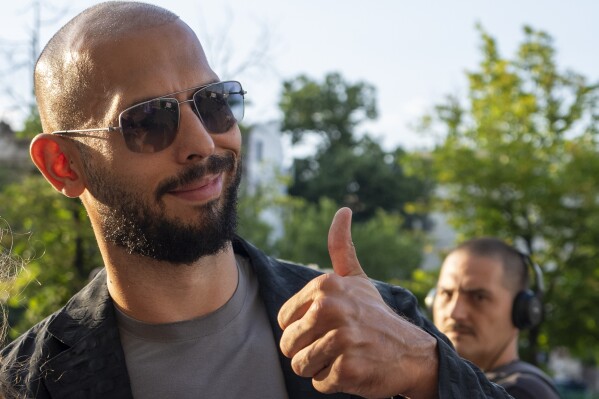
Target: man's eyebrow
(468, 291)
(477, 291)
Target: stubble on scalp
(73, 92)
(68, 77)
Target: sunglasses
(152, 125)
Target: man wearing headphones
(481, 302)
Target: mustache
(459, 328)
(213, 164)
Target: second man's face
(473, 307)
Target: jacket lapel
(92, 362)
(278, 282)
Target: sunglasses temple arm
(105, 129)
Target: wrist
(426, 364)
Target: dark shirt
(524, 381)
(77, 353)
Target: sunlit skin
(473, 308)
(143, 288)
(339, 332)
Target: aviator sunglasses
(152, 125)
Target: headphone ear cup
(527, 311)
(429, 300)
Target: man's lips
(197, 176)
(205, 189)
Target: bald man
(141, 129)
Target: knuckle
(285, 345)
(299, 366)
(342, 338)
(322, 309)
(337, 379)
(330, 282)
(347, 371)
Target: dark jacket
(524, 381)
(76, 352)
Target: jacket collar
(93, 362)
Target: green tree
(350, 170)
(354, 172)
(32, 124)
(384, 249)
(52, 233)
(252, 223)
(14, 168)
(331, 109)
(520, 161)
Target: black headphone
(527, 309)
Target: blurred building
(442, 238)
(264, 156)
(263, 168)
(14, 152)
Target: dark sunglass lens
(150, 126)
(220, 106)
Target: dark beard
(131, 223)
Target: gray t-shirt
(229, 353)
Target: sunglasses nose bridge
(194, 108)
(202, 143)
(186, 101)
(205, 138)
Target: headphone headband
(538, 286)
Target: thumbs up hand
(339, 332)
(341, 248)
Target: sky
(413, 52)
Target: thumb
(341, 248)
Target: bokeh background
(434, 121)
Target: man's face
(178, 204)
(473, 307)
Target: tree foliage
(385, 250)
(352, 171)
(520, 161)
(332, 109)
(52, 233)
(32, 125)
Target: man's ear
(56, 158)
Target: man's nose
(457, 307)
(193, 139)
